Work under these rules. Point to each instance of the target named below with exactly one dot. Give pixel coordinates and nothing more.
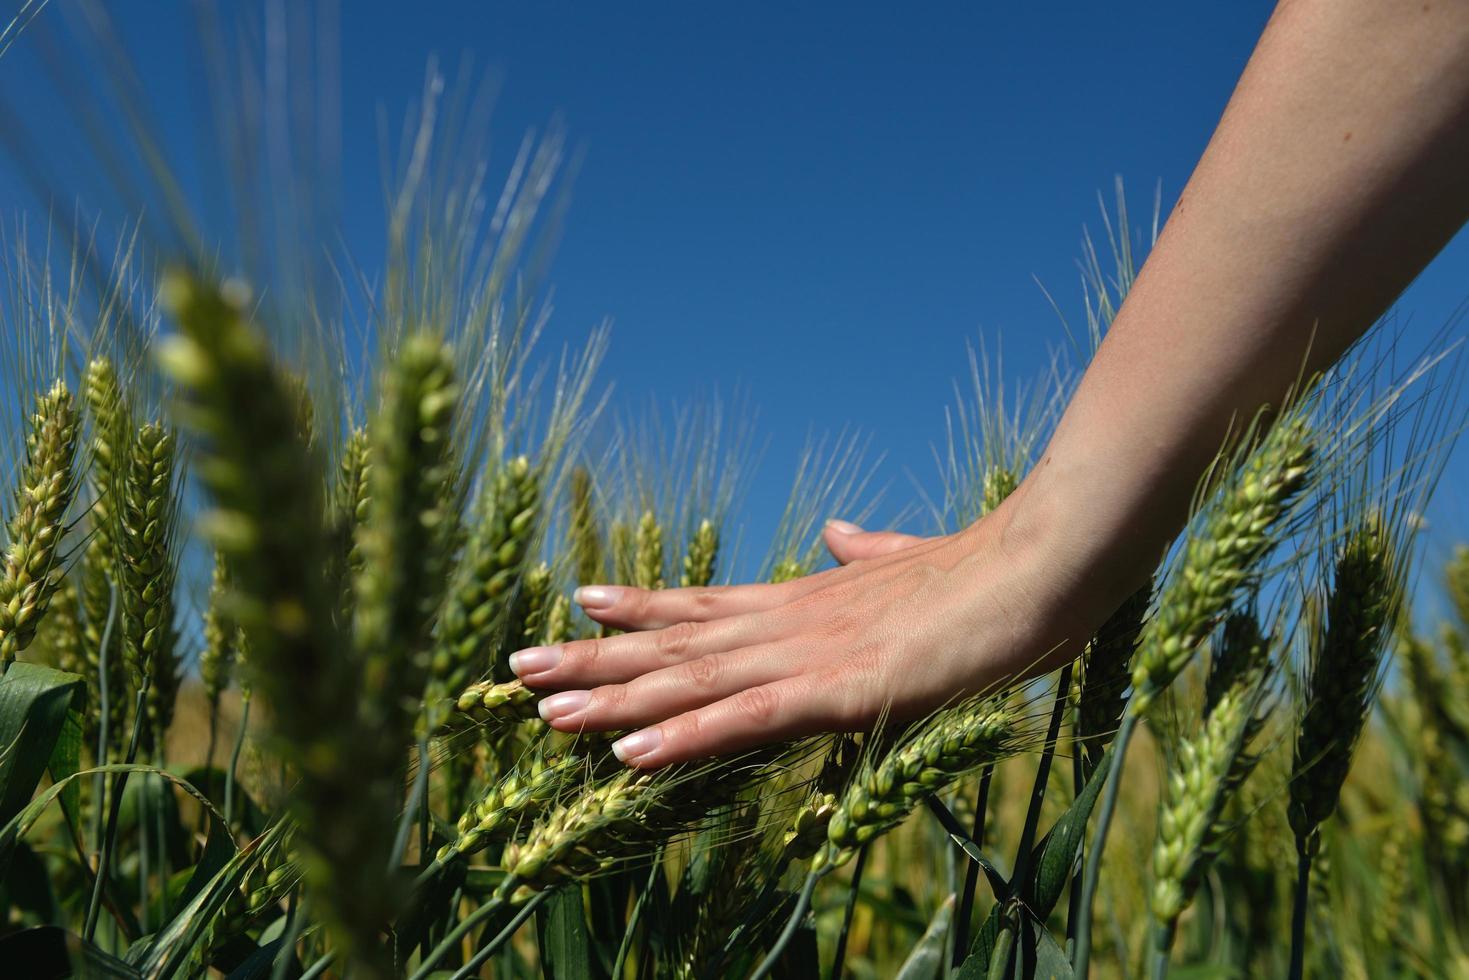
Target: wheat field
(268, 548)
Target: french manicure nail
(561, 705)
(534, 660)
(596, 596)
(843, 527)
(637, 745)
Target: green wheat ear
(1345, 670)
(109, 417)
(1207, 771)
(217, 658)
(351, 501)
(584, 534)
(955, 741)
(33, 560)
(146, 563)
(648, 553)
(1106, 673)
(1220, 557)
(698, 563)
(408, 537)
(477, 609)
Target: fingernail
(596, 596)
(843, 527)
(636, 745)
(561, 705)
(533, 660)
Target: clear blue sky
(820, 204)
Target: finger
(667, 692)
(614, 659)
(754, 716)
(625, 607)
(848, 542)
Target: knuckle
(703, 672)
(757, 705)
(675, 641)
(704, 602)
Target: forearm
(1339, 169)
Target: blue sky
(819, 205)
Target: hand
(904, 626)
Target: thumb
(848, 543)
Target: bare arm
(1339, 169)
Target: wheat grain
(585, 537)
(703, 552)
(953, 742)
(1221, 556)
(1206, 772)
(33, 560)
(648, 553)
(1106, 672)
(1346, 667)
(147, 567)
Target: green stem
(1042, 778)
(1163, 948)
(319, 967)
(447, 944)
(410, 813)
(477, 960)
(965, 911)
(1298, 909)
(295, 918)
(99, 784)
(625, 947)
(803, 902)
(1098, 844)
(1073, 902)
(1003, 952)
(229, 776)
(110, 835)
(841, 952)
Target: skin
(1339, 169)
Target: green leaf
(1055, 856)
(66, 759)
(171, 948)
(1040, 956)
(1052, 863)
(565, 943)
(927, 958)
(976, 965)
(34, 701)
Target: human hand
(904, 626)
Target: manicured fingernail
(636, 745)
(596, 596)
(843, 527)
(533, 660)
(561, 705)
